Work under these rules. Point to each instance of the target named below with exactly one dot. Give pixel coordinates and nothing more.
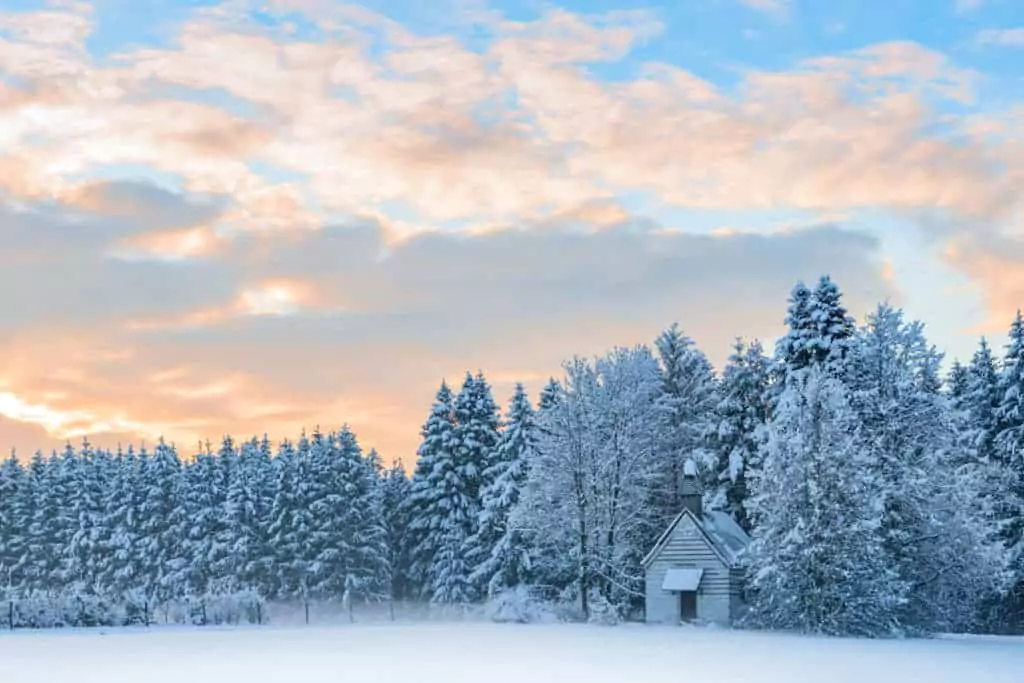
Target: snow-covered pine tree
(816, 560)
(327, 506)
(741, 414)
(87, 469)
(262, 472)
(13, 524)
(434, 456)
(395, 491)
(477, 422)
(956, 385)
(819, 330)
(456, 480)
(835, 328)
(980, 403)
(1008, 450)
(202, 539)
(932, 529)
(242, 524)
(444, 504)
(793, 350)
(123, 575)
(45, 532)
(499, 553)
(293, 523)
(549, 394)
(686, 405)
(162, 529)
(362, 539)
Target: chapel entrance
(687, 605)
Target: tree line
(882, 498)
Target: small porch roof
(682, 579)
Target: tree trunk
(584, 571)
(306, 605)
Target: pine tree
(262, 473)
(242, 523)
(205, 508)
(1008, 450)
(13, 523)
(362, 536)
(437, 434)
(395, 492)
(498, 552)
(123, 575)
(549, 394)
(163, 556)
(981, 402)
(793, 350)
(957, 384)
(45, 532)
(686, 406)
(476, 435)
(834, 327)
(327, 507)
(819, 330)
(817, 564)
(741, 413)
(909, 434)
(293, 523)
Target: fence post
(10, 613)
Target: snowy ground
(492, 653)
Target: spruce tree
(981, 402)
(435, 458)
(362, 538)
(1008, 450)
(685, 407)
(817, 564)
(162, 529)
(819, 330)
(205, 508)
(13, 523)
(936, 544)
(741, 415)
(476, 434)
(498, 552)
(455, 449)
(395, 491)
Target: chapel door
(687, 605)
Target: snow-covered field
(492, 653)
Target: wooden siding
(687, 547)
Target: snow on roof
(725, 533)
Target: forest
(884, 494)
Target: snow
(454, 653)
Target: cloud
(770, 6)
(1006, 37)
(967, 6)
(338, 324)
(996, 264)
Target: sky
(248, 217)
